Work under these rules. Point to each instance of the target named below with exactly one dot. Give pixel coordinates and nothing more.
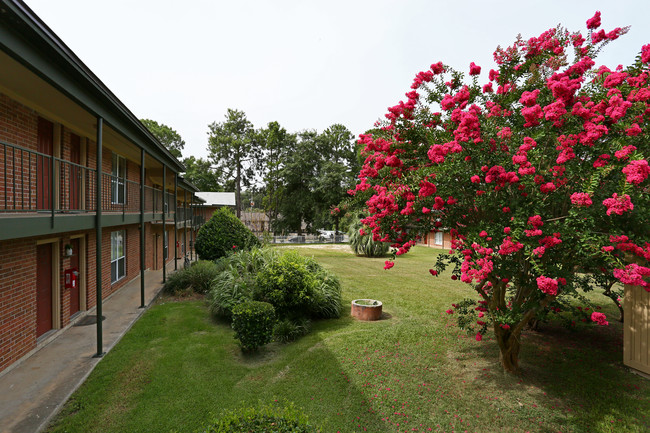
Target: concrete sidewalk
(33, 391)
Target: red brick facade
(18, 257)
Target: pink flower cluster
(618, 204)
(633, 274)
(599, 318)
(581, 199)
(547, 285)
(636, 171)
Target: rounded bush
(364, 245)
(253, 324)
(197, 278)
(222, 235)
(287, 283)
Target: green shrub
(287, 330)
(235, 282)
(266, 419)
(326, 301)
(253, 324)
(287, 283)
(364, 245)
(223, 234)
(197, 278)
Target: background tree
(232, 151)
(336, 172)
(167, 137)
(538, 173)
(298, 202)
(277, 144)
(198, 171)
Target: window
(438, 238)
(118, 187)
(118, 260)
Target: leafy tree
(167, 137)
(200, 173)
(277, 143)
(232, 150)
(539, 174)
(300, 169)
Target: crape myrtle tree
(540, 174)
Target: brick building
(82, 183)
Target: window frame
(438, 238)
(118, 262)
(118, 179)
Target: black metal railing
(31, 181)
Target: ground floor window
(118, 259)
(438, 238)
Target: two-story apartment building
(89, 199)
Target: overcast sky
(306, 64)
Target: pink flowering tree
(540, 174)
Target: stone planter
(366, 309)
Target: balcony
(38, 190)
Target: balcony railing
(32, 182)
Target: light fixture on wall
(68, 250)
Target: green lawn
(413, 371)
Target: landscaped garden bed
(177, 369)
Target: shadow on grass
(576, 374)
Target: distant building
(257, 222)
(436, 239)
(209, 202)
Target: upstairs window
(118, 180)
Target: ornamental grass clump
(540, 174)
(197, 278)
(363, 244)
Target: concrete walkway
(33, 391)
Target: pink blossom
(438, 68)
(633, 130)
(535, 221)
(426, 189)
(594, 22)
(450, 311)
(475, 179)
(389, 264)
(645, 53)
(507, 230)
(581, 199)
(607, 249)
(529, 98)
(633, 274)
(547, 285)
(599, 318)
(483, 234)
(479, 337)
(624, 152)
(505, 326)
(618, 205)
(426, 210)
(547, 187)
(474, 69)
(487, 88)
(509, 247)
(636, 171)
(433, 272)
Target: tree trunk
(509, 345)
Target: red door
(43, 289)
(74, 263)
(75, 171)
(45, 145)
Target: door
(43, 289)
(45, 146)
(75, 264)
(75, 171)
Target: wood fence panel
(636, 348)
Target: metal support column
(98, 240)
(142, 232)
(164, 209)
(175, 221)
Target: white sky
(306, 64)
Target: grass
(413, 371)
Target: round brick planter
(366, 309)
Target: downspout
(164, 202)
(142, 237)
(98, 240)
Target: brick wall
(17, 300)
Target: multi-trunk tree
(540, 174)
